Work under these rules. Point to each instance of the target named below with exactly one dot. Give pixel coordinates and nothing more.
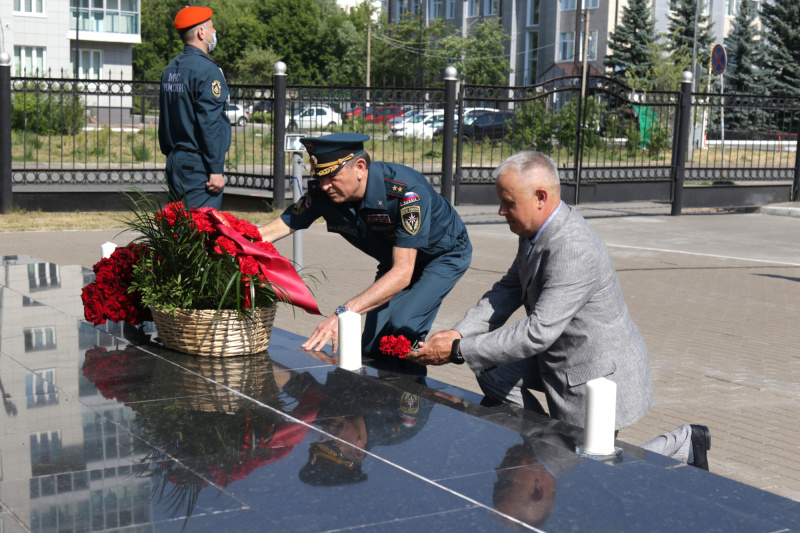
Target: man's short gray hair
(533, 168)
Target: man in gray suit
(577, 326)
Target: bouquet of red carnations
(398, 346)
(190, 259)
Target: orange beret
(192, 16)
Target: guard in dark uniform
(194, 131)
(390, 212)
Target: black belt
(184, 149)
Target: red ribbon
(277, 270)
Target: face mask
(213, 43)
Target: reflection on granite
(105, 429)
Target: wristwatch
(455, 353)
(341, 309)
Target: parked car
(408, 113)
(237, 114)
(492, 126)
(471, 113)
(423, 125)
(358, 111)
(313, 117)
(383, 114)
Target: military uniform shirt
(399, 208)
(194, 104)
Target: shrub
(48, 113)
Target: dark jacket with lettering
(400, 208)
(194, 105)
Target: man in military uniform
(194, 131)
(391, 213)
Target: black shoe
(701, 443)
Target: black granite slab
(105, 429)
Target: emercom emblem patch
(216, 88)
(410, 216)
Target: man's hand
(326, 331)
(435, 350)
(215, 183)
(324, 357)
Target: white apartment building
(53, 37)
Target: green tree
(631, 40)
(480, 56)
(681, 28)
(743, 45)
(160, 42)
(408, 50)
(256, 64)
(781, 20)
(662, 70)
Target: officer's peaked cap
(329, 153)
(192, 16)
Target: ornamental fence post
(450, 80)
(683, 143)
(278, 134)
(5, 133)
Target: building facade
(90, 39)
(545, 36)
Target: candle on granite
(350, 341)
(601, 409)
(107, 249)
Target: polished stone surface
(104, 429)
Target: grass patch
(25, 220)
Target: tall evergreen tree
(781, 20)
(681, 29)
(744, 47)
(631, 41)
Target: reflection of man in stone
(378, 415)
(527, 477)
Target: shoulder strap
(395, 188)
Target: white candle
(601, 409)
(107, 249)
(350, 341)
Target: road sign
(719, 59)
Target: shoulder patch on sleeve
(395, 188)
(302, 204)
(216, 88)
(411, 215)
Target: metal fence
(611, 142)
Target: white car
(237, 114)
(423, 125)
(313, 117)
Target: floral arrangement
(397, 346)
(198, 258)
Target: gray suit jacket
(578, 326)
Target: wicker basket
(208, 333)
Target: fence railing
(67, 132)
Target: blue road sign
(719, 59)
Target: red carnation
(248, 265)
(267, 247)
(397, 346)
(226, 244)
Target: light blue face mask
(213, 43)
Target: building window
(40, 388)
(42, 275)
(567, 5)
(472, 8)
(110, 16)
(591, 4)
(730, 7)
(34, 7)
(491, 7)
(532, 64)
(533, 12)
(705, 7)
(451, 9)
(29, 61)
(45, 449)
(436, 9)
(37, 339)
(567, 46)
(592, 46)
(91, 64)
